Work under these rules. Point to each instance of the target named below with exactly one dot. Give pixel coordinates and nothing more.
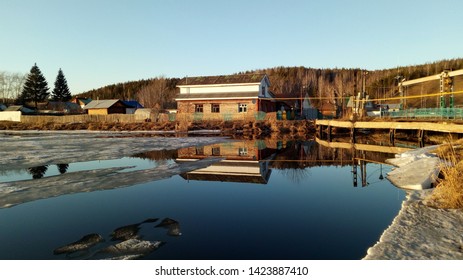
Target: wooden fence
(133, 118)
(113, 118)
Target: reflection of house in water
(245, 162)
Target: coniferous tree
(61, 91)
(35, 88)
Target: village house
(132, 106)
(106, 107)
(81, 101)
(225, 97)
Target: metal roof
(101, 104)
(224, 79)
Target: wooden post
(329, 133)
(421, 138)
(352, 134)
(320, 131)
(392, 136)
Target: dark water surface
(266, 200)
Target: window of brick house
(198, 108)
(242, 151)
(199, 151)
(242, 108)
(216, 151)
(215, 108)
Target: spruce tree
(35, 88)
(61, 91)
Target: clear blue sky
(97, 43)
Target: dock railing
(428, 113)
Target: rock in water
(131, 247)
(84, 243)
(129, 231)
(125, 232)
(172, 226)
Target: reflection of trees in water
(37, 172)
(161, 156)
(62, 168)
(296, 176)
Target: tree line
(322, 85)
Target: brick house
(228, 97)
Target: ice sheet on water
(45, 148)
(417, 169)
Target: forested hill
(287, 82)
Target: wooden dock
(325, 126)
(363, 147)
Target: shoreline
(419, 232)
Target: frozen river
(125, 196)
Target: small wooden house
(81, 101)
(213, 96)
(132, 106)
(106, 107)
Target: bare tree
(11, 85)
(154, 94)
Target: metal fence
(428, 113)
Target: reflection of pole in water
(363, 170)
(381, 177)
(354, 174)
(354, 169)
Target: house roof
(231, 95)
(223, 79)
(132, 103)
(85, 101)
(18, 108)
(13, 108)
(102, 104)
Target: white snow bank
(420, 232)
(417, 169)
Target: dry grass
(448, 193)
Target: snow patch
(417, 169)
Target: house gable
(103, 107)
(240, 86)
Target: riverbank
(223, 128)
(419, 231)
